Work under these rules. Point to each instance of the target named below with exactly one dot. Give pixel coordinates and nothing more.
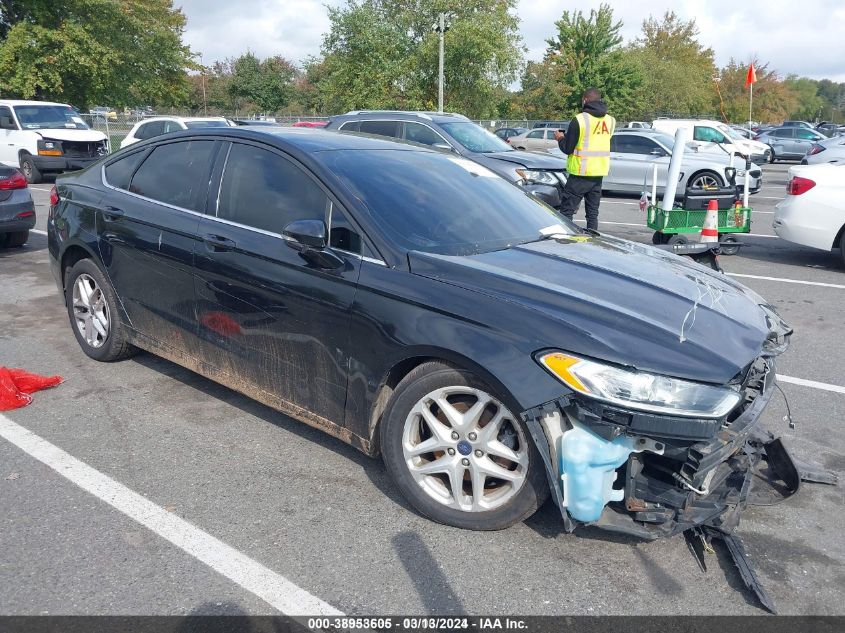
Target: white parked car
(831, 150)
(635, 152)
(538, 139)
(42, 137)
(813, 212)
(156, 126)
(715, 137)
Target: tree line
(382, 54)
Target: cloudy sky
(806, 38)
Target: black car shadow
(36, 242)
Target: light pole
(441, 29)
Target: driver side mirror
(309, 237)
(446, 146)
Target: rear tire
(456, 481)
(842, 247)
(30, 171)
(94, 314)
(678, 239)
(16, 239)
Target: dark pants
(588, 188)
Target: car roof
(403, 115)
(17, 102)
(308, 140)
(164, 117)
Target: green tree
(586, 52)
(677, 70)
(773, 101)
(809, 104)
(383, 54)
(94, 51)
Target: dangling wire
(788, 416)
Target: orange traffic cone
(710, 230)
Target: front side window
(439, 203)
(44, 117)
(172, 126)
(263, 190)
(176, 173)
(7, 122)
(536, 134)
(708, 135)
(419, 133)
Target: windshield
(475, 138)
(731, 133)
(436, 203)
(210, 123)
(43, 117)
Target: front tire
(94, 315)
(30, 171)
(842, 247)
(458, 453)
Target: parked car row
(541, 175)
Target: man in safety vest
(587, 145)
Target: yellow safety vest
(591, 157)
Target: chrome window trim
(285, 238)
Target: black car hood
(529, 160)
(622, 302)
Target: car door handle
(113, 214)
(216, 243)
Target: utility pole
(441, 28)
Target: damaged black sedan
(421, 308)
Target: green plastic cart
(678, 226)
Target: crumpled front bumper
(681, 472)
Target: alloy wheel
(90, 311)
(465, 449)
(705, 181)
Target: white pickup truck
(41, 137)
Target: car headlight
(639, 390)
(537, 177)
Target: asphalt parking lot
(300, 511)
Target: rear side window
(536, 134)
(351, 126)
(172, 126)
(176, 173)
(265, 191)
(119, 173)
(149, 130)
(381, 128)
(807, 135)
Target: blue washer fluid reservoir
(588, 466)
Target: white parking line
(811, 383)
(274, 589)
(39, 188)
(790, 281)
(39, 231)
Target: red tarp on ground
(17, 384)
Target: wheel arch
(72, 254)
(837, 241)
(401, 368)
(706, 170)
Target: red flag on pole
(751, 77)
